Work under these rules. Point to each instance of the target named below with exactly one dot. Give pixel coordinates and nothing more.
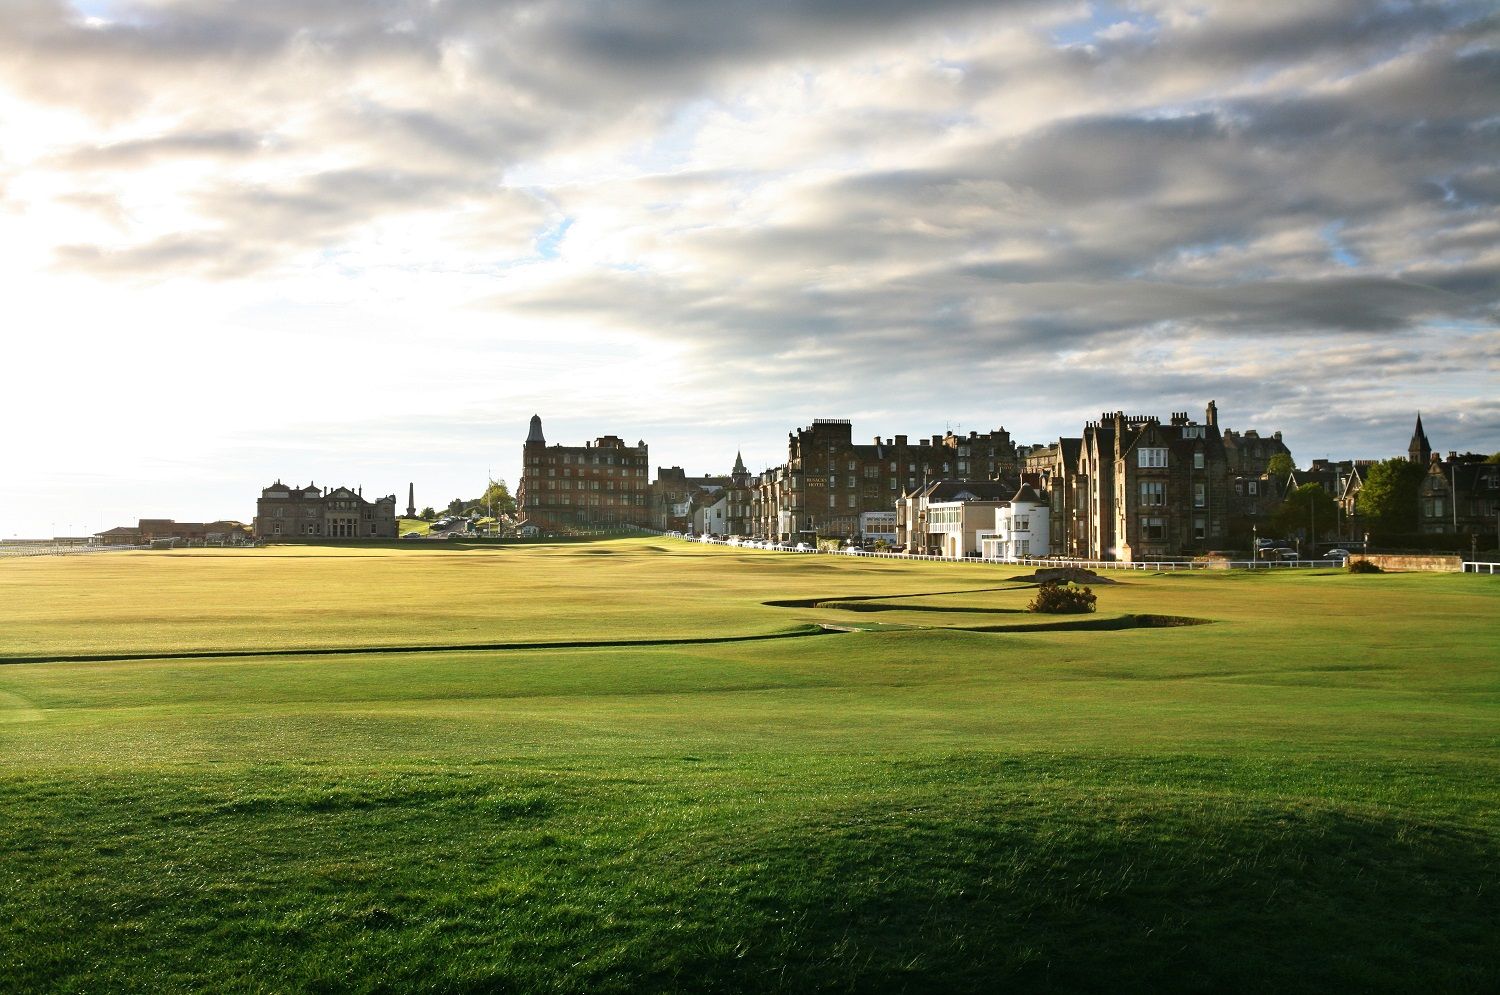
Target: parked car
(1336, 554)
(803, 547)
(411, 535)
(1284, 553)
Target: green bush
(1062, 599)
(1363, 567)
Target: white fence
(1472, 567)
(56, 549)
(1156, 566)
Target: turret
(535, 435)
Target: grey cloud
(175, 255)
(126, 154)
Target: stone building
(828, 481)
(1094, 489)
(1461, 496)
(1055, 469)
(1148, 490)
(601, 484)
(677, 498)
(321, 512)
(1254, 492)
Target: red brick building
(600, 484)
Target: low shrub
(1363, 567)
(1055, 598)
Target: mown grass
(1300, 795)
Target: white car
(803, 547)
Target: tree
(1388, 499)
(456, 506)
(428, 514)
(1494, 458)
(497, 496)
(1280, 466)
(1308, 508)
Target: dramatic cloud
(908, 213)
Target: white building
(877, 525)
(955, 526)
(711, 513)
(1021, 528)
(946, 516)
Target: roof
(967, 490)
(1027, 495)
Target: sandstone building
(1151, 490)
(600, 484)
(330, 513)
(828, 481)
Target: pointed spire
(739, 463)
(535, 435)
(1419, 450)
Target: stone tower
(1419, 450)
(740, 475)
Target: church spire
(1419, 450)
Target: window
(1153, 492)
(1200, 528)
(1251, 485)
(1198, 460)
(1022, 524)
(1192, 431)
(852, 503)
(1239, 488)
(1151, 457)
(1153, 528)
(1200, 495)
(833, 500)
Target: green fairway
(1298, 794)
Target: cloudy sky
(362, 241)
